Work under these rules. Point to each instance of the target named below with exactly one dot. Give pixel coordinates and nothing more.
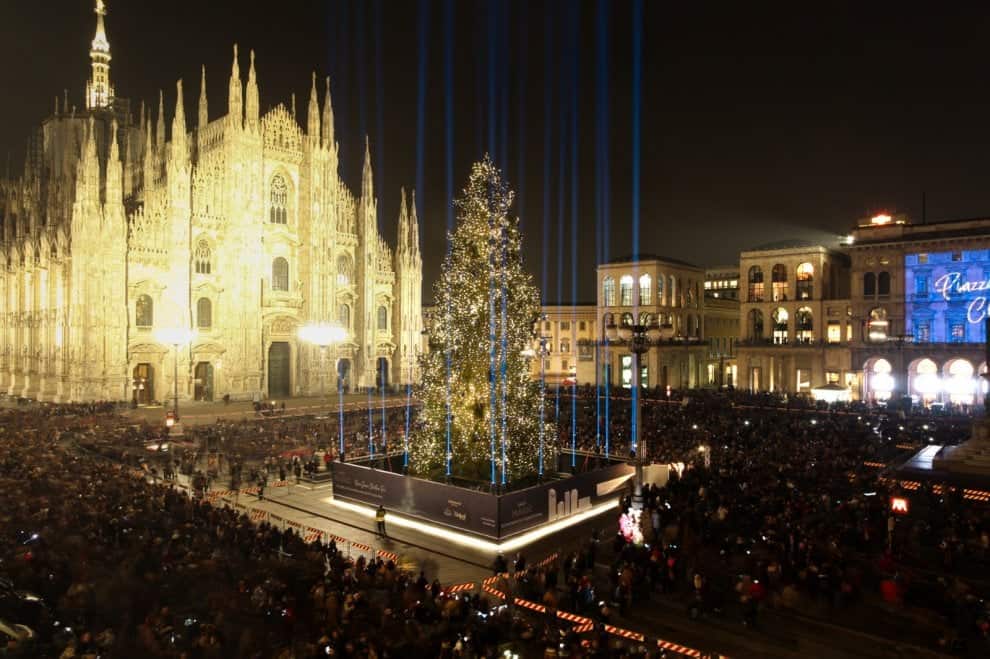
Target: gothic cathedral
(234, 234)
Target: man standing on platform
(380, 519)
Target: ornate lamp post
(176, 337)
(324, 335)
(639, 339)
(541, 352)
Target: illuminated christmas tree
(480, 418)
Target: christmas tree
(477, 398)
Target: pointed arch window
(280, 274)
(144, 311)
(344, 316)
(382, 319)
(279, 213)
(345, 269)
(203, 258)
(204, 313)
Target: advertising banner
(459, 508)
(491, 516)
(523, 510)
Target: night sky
(755, 125)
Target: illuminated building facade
(919, 296)
(240, 230)
(647, 289)
(898, 309)
(794, 318)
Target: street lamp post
(639, 339)
(541, 352)
(175, 337)
(324, 335)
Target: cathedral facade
(235, 234)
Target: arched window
(608, 292)
(144, 311)
(959, 382)
(756, 284)
(778, 282)
(345, 270)
(203, 258)
(645, 319)
(755, 324)
(627, 319)
(279, 213)
(672, 292)
(869, 284)
(280, 274)
(607, 319)
(881, 382)
(660, 290)
(805, 325)
(625, 291)
(780, 322)
(204, 313)
(645, 290)
(876, 328)
(382, 319)
(344, 316)
(805, 281)
(924, 379)
(883, 283)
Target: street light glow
(322, 334)
(174, 336)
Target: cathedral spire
(367, 178)
(414, 229)
(251, 110)
(235, 105)
(88, 177)
(99, 91)
(327, 134)
(204, 111)
(313, 114)
(160, 131)
(115, 182)
(179, 152)
(401, 243)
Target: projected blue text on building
(947, 296)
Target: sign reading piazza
(946, 296)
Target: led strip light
(470, 541)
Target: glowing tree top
(480, 415)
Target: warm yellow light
(176, 336)
(881, 218)
(322, 334)
(465, 540)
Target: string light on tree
(489, 306)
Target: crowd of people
(787, 505)
(785, 508)
(129, 566)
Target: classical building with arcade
(235, 231)
(897, 309)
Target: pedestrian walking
(380, 520)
